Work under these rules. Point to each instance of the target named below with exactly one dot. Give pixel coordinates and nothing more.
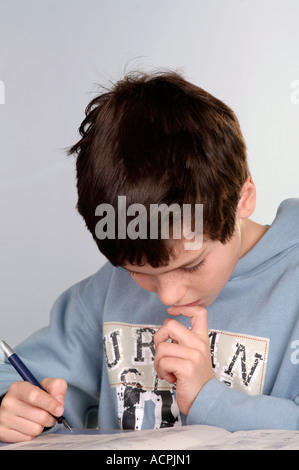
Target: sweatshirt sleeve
(218, 405)
(277, 407)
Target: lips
(192, 304)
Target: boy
(163, 335)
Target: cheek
(145, 282)
(228, 264)
(221, 266)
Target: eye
(132, 273)
(192, 269)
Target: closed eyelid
(131, 272)
(195, 267)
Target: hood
(281, 237)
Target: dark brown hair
(156, 138)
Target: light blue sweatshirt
(100, 340)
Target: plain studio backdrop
(53, 53)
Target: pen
(26, 375)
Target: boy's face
(194, 277)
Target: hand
(26, 409)
(187, 360)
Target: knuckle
(13, 389)
(8, 403)
(189, 368)
(28, 438)
(170, 322)
(61, 383)
(156, 338)
(36, 429)
(160, 365)
(47, 383)
(197, 355)
(163, 348)
(170, 325)
(43, 417)
(199, 358)
(4, 435)
(33, 396)
(3, 419)
(46, 419)
(50, 421)
(52, 385)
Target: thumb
(56, 388)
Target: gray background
(52, 55)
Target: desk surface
(176, 438)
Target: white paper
(177, 438)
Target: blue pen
(26, 374)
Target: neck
(251, 233)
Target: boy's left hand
(187, 360)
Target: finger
(164, 373)
(15, 422)
(170, 368)
(56, 388)
(36, 397)
(198, 317)
(178, 333)
(172, 329)
(11, 436)
(26, 426)
(172, 350)
(21, 409)
(36, 415)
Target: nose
(170, 289)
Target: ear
(247, 201)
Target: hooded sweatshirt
(100, 340)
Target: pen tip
(67, 426)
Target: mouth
(192, 304)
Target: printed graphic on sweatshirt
(238, 360)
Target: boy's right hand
(26, 409)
